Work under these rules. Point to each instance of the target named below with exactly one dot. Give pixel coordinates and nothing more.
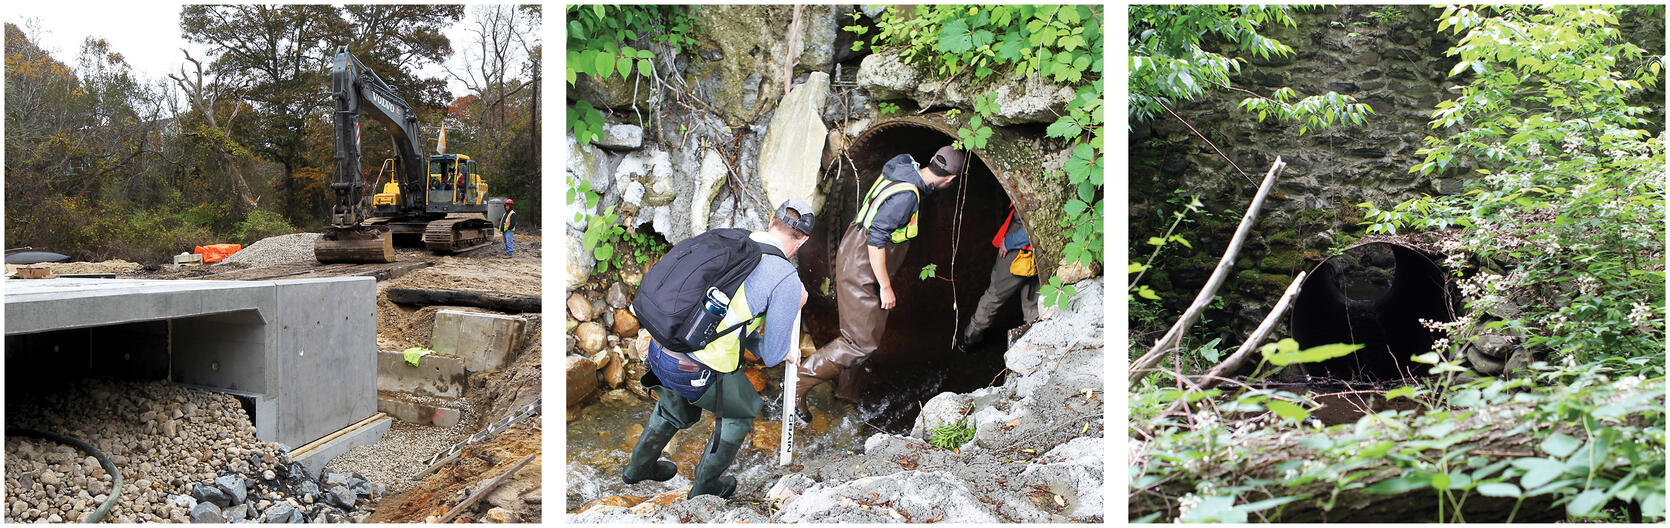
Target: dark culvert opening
(916, 360)
(1373, 294)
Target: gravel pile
(282, 249)
(184, 454)
(395, 460)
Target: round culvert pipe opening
(1373, 294)
(915, 360)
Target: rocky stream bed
(1036, 456)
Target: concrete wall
(303, 350)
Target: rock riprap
(185, 455)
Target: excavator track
(453, 235)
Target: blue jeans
(509, 243)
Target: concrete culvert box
(300, 354)
(956, 226)
(1374, 294)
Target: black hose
(116, 476)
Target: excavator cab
(454, 182)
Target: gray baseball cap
(947, 161)
(804, 224)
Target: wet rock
(581, 379)
(579, 308)
(640, 346)
(590, 337)
(206, 512)
(618, 296)
(625, 324)
(615, 373)
(756, 377)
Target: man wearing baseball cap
(681, 382)
(868, 256)
(507, 226)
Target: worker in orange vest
(1014, 272)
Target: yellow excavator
(439, 199)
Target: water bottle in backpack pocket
(704, 322)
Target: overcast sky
(147, 34)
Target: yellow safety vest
(508, 224)
(880, 193)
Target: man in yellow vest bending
(870, 253)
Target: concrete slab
(421, 413)
(485, 341)
(303, 350)
(316, 458)
(435, 375)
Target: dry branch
(1234, 361)
(1174, 336)
(483, 491)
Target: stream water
(602, 434)
(601, 437)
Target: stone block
(435, 375)
(485, 342)
(420, 413)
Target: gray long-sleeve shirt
(773, 287)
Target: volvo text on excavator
(440, 199)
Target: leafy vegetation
(952, 435)
(106, 162)
(1556, 241)
(601, 40)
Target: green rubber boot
(645, 463)
(708, 472)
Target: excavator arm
(358, 90)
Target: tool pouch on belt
(1023, 265)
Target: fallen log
(491, 300)
(1168, 344)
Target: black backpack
(671, 296)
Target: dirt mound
(65, 268)
(520, 496)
